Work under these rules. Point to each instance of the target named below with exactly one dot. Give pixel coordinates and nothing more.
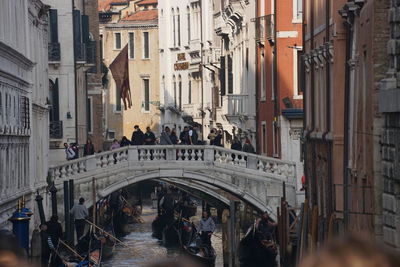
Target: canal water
(144, 249)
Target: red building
(279, 96)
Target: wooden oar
(72, 250)
(113, 237)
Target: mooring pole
(94, 201)
(66, 212)
(53, 191)
(39, 200)
(71, 204)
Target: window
(111, 135)
(174, 86)
(297, 11)
(54, 101)
(262, 77)
(178, 21)
(264, 138)
(173, 27)
(146, 45)
(297, 67)
(146, 88)
(190, 90)
(117, 38)
(131, 45)
(180, 92)
(118, 104)
(188, 23)
(89, 119)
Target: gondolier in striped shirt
(206, 228)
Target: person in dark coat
(218, 139)
(173, 137)
(88, 148)
(236, 145)
(165, 137)
(184, 136)
(248, 147)
(149, 137)
(54, 229)
(193, 136)
(137, 136)
(124, 142)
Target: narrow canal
(144, 249)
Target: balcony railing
(265, 29)
(91, 52)
(56, 129)
(54, 52)
(237, 105)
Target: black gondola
(194, 248)
(255, 250)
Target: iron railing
(56, 129)
(54, 52)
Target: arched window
(173, 27)
(178, 22)
(180, 91)
(174, 87)
(54, 102)
(188, 24)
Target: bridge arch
(233, 189)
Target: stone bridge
(255, 179)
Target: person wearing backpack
(69, 152)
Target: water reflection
(144, 249)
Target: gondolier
(206, 228)
(80, 213)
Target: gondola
(170, 236)
(255, 250)
(201, 253)
(194, 248)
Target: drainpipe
(202, 70)
(275, 75)
(75, 73)
(330, 207)
(349, 41)
(257, 49)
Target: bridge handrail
(153, 153)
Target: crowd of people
(188, 136)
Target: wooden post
(94, 201)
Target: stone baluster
(228, 158)
(148, 155)
(104, 161)
(242, 162)
(260, 165)
(75, 168)
(82, 166)
(57, 173)
(110, 159)
(156, 155)
(217, 157)
(186, 155)
(180, 154)
(69, 170)
(236, 160)
(63, 172)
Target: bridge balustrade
(206, 155)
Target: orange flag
(120, 71)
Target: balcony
(237, 105)
(265, 29)
(91, 52)
(54, 52)
(56, 129)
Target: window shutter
(77, 34)
(222, 77)
(230, 75)
(85, 29)
(53, 26)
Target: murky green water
(144, 249)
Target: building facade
(389, 106)
(24, 112)
(133, 23)
(74, 76)
(279, 93)
(236, 111)
(324, 86)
